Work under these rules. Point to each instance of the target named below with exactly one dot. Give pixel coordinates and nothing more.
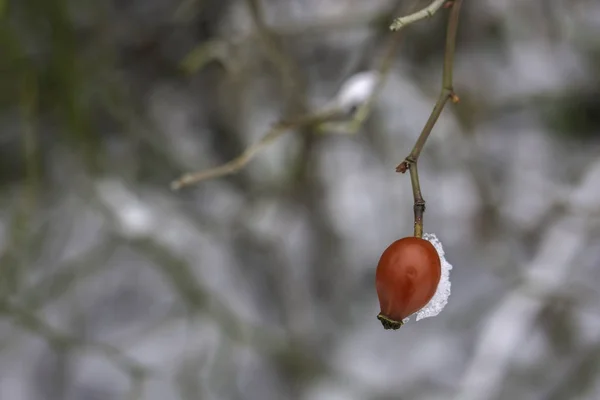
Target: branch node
(447, 93)
(405, 165)
(419, 205)
(454, 97)
(419, 210)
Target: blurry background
(260, 285)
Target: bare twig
(248, 155)
(288, 71)
(232, 166)
(220, 49)
(447, 92)
(320, 120)
(426, 12)
(364, 110)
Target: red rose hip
(407, 277)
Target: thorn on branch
(403, 167)
(448, 4)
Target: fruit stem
(419, 202)
(446, 93)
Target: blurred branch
(512, 319)
(347, 20)
(53, 287)
(17, 252)
(319, 120)
(178, 272)
(221, 49)
(28, 103)
(289, 73)
(364, 110)
(248, 155)
(199, 299)
(32, 323)
(232, 166)
(426, 12)
(204, 53)
(447, 92)
(580, 377)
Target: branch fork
(320, 119)
(446, 93)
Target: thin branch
(252, 151)
(426, 12)
(419, 202)
(289, 73)
(219, 49)
(321, 121)
(232, 166)
(447, 92)
(364, 110)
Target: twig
(447, 92)
(289, 72)
(426, 12)
(320, 120)
(290, 78)
(364, 110)
(248, 155)
(232, 166)
(219, 49)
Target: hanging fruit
(407, 277)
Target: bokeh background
(260, 285)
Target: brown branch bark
(323, 121)
(447, 93)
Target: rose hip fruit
(407, 277)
